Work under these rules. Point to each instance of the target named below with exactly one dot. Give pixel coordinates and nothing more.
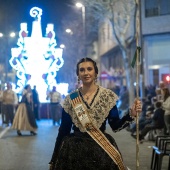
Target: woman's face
(86, 72)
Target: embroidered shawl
(99, 110)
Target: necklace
(87, 96)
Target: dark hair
(150, 108)
(26, 87)
(158, 104)
(85, 60)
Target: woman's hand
(136, 108)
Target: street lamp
(1, 35)
(69, 31)
(62, 46)
(12, 34)
(80, 5)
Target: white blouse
(166, 106)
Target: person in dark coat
(36, 103)
(157, 121)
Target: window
(157, 7)
(164, 7)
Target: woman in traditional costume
(82, 142)
(24, 118)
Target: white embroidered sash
(94, 132)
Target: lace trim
(104, 101)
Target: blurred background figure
(161, 86)
(24, 118)
(166, 107)
(123, 103)
(36, 103)
(9, 102)
(1, 97)
(144, 119)
(157, 121)
(145, 116)
(55, 106)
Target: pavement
(34, 152)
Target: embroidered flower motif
(99, 110)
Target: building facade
(155, 21)
(155, 43)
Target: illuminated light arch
(36, 59)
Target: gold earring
(95, 79)
(78, 80)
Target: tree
(74, 47)
(122, 15)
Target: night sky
(13, 12)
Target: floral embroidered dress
(74, 148)
(24, 118)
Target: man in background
(36, 103)
(9, 102)
(55, 107)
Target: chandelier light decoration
(36, 59)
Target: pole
(84, 29)
(137, 79)
(6, 57)
(142, 62)
(83, 18)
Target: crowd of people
(22, 115)
(155, 116)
